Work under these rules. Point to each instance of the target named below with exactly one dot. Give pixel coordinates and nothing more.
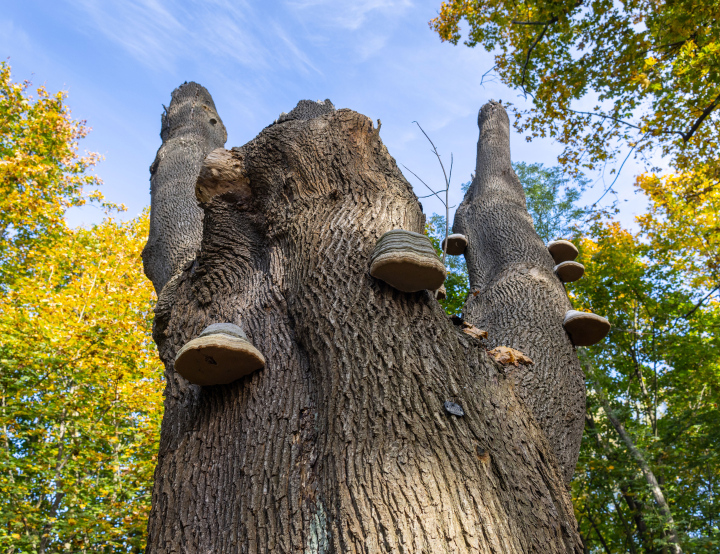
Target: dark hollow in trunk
(341, 443)
(514, 293)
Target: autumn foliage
(80, 383)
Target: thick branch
(706, 112)
(191, 129)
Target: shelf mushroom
(407, 261)
(562, 251)
(441, 293)
(456, 244)
(220, 355)
(569, 272)
(584, 328)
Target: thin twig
(482, 79)
(618, 173)
(447, 187)
(706, 112)
(424, 183)
(700, 303)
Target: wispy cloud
(163, 33)
(349, 14)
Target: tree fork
(514, 293)
(341, 443)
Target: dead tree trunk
(341, 443)
(514, 292)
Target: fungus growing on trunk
(569, 272)
(456, 244)
(441, 293)
(562, 251)
(407, 262)
(584, 328)
(220, 355)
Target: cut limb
(342, 443)
(191, 129)
(516, 295)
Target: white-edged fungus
(407, 262)
(569, 272)
(220, 355)
(584, 328)
(562, 251)
(456, 244)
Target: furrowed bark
(191, 129)
(341, 443)
(514, 293)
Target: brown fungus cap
(569, 272)
(585, 329)
(407, 261)
(220, 355)
(456, 244)
(562, 251)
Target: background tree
(552, 199)
(651, 70)
(456, 283)
(41, 174)
(659, 370)
(79, 385)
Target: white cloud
(348, 14)
(162, 33)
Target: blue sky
(120, 59)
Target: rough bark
(514, 293)
(190, 130)
(341, 443)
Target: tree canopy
(80, 402)
(650, 71)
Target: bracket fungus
(456, 244)
(220, 355)
(584, 328)
(441, 293)
(407, 262)
(569, 272)
(562, 251)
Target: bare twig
(618, 172)
(424, 183)
(447, 188)
(482, 79)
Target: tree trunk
(191, 129)
(341, 443)
(514, 293)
